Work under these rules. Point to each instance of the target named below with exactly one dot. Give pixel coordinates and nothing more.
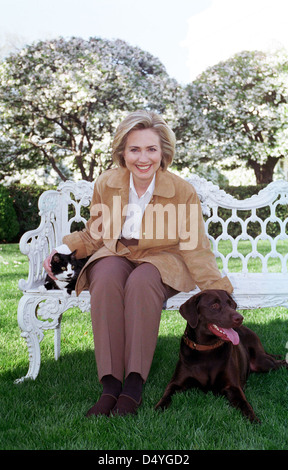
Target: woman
(147, 242)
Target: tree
(238, 113)
(61, 101)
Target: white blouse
(135, 210)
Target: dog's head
(214, 312)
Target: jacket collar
(164, 185)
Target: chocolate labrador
(217, 352)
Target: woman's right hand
(47, 264)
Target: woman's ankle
(133, 386)
(111, 386)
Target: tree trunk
(264, 172)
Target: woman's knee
(144, 278)
(109, 271)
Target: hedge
(253, 228)
(9, 226)
(25, 203)
(19, 207)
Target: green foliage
(9, 226)
(25, 203)
(25, 200)
(281, 211)
(254, 228)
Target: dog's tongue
(232, 335)
(227, 334)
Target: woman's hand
(47, 264)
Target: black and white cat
(66, 268)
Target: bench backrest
(252, 232)
(240, 230)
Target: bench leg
(57, 340)
(26, 320)
(30, 307)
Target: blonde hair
(138, 120)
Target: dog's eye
(215, 306)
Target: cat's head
(62, 266)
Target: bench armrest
(38, 243)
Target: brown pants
(126, 305)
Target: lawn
(49, 413)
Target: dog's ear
(189, 311)
(234, 305)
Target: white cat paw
(42, 289)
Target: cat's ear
(73, 254)
(56, 258)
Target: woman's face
(142, 155)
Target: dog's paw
(162, 404)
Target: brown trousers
(126, 305)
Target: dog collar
(201, 347)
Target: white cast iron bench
(260, 234)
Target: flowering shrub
(61, 100)
(243, 107)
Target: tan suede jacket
(172, 235)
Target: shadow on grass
(74, 375)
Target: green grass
(49, 413)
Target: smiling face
(142, 155)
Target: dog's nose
(238, 319)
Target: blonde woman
(146, 242)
